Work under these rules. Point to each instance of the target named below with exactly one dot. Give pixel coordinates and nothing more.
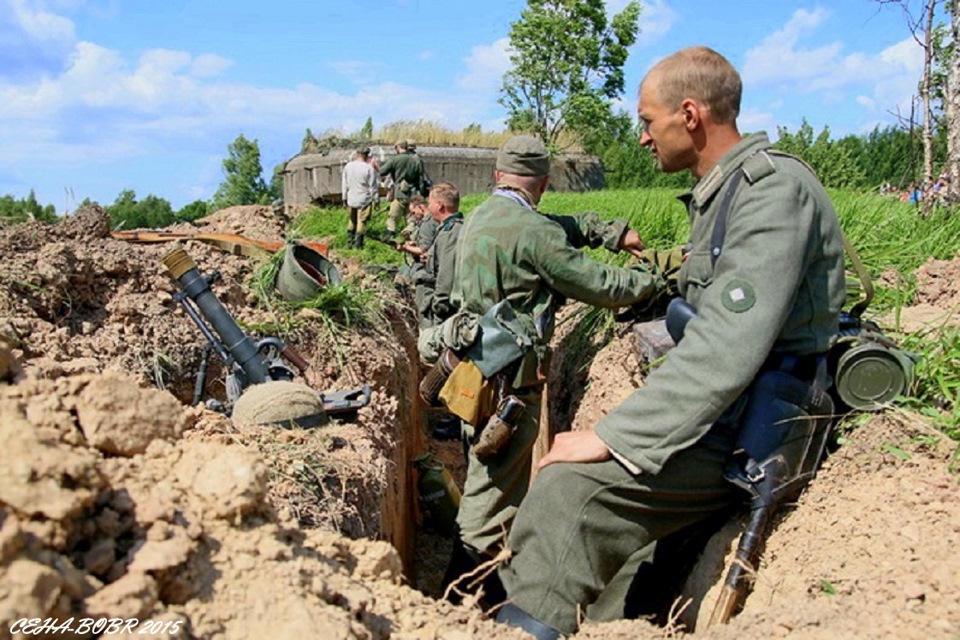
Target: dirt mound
(179, 532)
(937, 301)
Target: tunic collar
(708, 185)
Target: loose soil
(119, 499)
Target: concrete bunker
(315, 178)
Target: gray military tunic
(777, 286)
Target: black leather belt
(803, 367)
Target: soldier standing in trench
(656, 463)
(509, 251)
(437, 277)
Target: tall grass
(892, 239)
(421, 132)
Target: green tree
(243, 173)
(567, 66)
(193, 211)
(309, 143)
(628, 165)
(366, 132)
(14, 211)
(835, 164)
(276, 183)
(152, 212)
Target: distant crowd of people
(915, 193)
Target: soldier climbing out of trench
(764, 285)
(408, 173)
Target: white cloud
(777, 58)
(884, 80)
(486, 65)
(94, 106)
(426, 55)
(753, 120)
(208, 65)
(40, 24)
(656, 20)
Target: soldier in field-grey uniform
(768, 300)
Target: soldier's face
(664, 130)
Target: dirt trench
(119, 500)
(104, 431)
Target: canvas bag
(468, 395)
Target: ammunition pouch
(404, 191)
(468, 394)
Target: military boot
(514, 616)
(351, 237)
(464, 560)
(358, 243)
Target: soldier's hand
(632, 243)
(576, 446)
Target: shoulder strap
(720, 225)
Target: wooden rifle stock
(770, 489)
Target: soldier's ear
(544, 184)
(690, 109)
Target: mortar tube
(182, 267)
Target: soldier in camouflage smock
(509, 251)
(767, 300)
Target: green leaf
(827, 588)
(896, 451)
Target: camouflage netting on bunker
(118, 499)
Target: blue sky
(98, 96)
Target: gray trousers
(580, 523)
(493, 490)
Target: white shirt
(359, 184)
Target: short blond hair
(702, 74)
(447, 193)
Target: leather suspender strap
(720, 225)
(865, 280)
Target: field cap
(401, 144)
(524, 156)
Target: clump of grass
(936, 387)
(338, 308)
